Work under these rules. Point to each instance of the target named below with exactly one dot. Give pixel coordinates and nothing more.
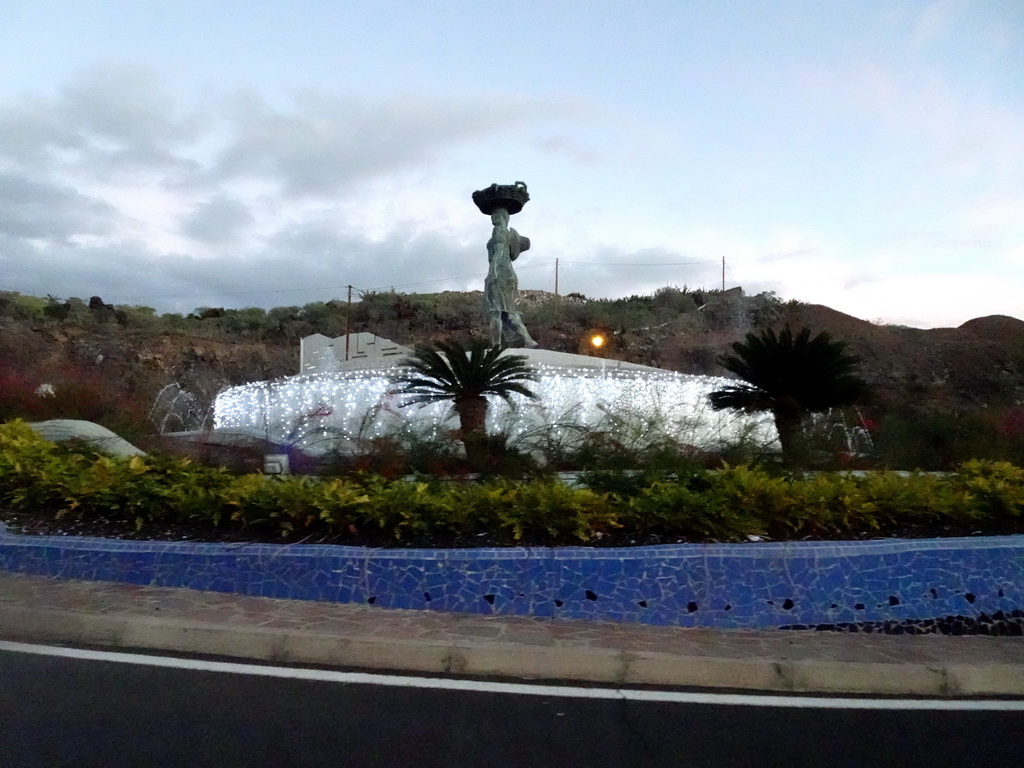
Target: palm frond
(740, 398)
(811, 374)
(451, 371)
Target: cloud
(561, 144)
(608, 271)
(404, 259)
(218, 220)
(857, 282)
(116, 186)
(323, 144)
(36, 210)
(796, 253)
(969, 239)
(996, 215)
(933, 22)
(922, 111)
(308, 262)
(1015, 255)
(884, 283)
(116, 119)
(111, 119)
(126, 106)
(933, 300)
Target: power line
(238, 293)
(533, 266)
(634, 264)
(449, 279)
(477, 275)
(423, 282)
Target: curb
(609, 665)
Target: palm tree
(467, 377)
(791, 377)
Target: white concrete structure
(321, 354)
(344, 403)
(58, 430)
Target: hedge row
(731, 504)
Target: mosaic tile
(755, 585)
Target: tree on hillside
(791, 377)
(466, 377)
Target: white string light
(327, 410)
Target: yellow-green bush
(76, 480)
(995, 489)
(544, 505)
(730, 504)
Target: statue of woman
(501, 285)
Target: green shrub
(674, 510)
(290, 504)
(995, 489)
(687, 503)
(543, 505)
(939, 438)
(417, 507)
(76, 480)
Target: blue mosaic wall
(706, 585)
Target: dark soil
(1000, 624)
(119, 528)
(112, 528)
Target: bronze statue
(501, 287)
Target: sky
(864, 155)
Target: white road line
(522, 689)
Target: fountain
(177, 410)
(635, 404)
(334, 404)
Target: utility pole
(556, 277)
(348, 322)
(723, 274)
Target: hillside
(981, 363)
(125, 356)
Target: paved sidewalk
(40, 609)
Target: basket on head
(511, 197)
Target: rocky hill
(129, 355)
(980, 363)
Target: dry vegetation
(938, 396)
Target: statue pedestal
(340, 410)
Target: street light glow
(597, 340)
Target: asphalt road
(57, 711)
